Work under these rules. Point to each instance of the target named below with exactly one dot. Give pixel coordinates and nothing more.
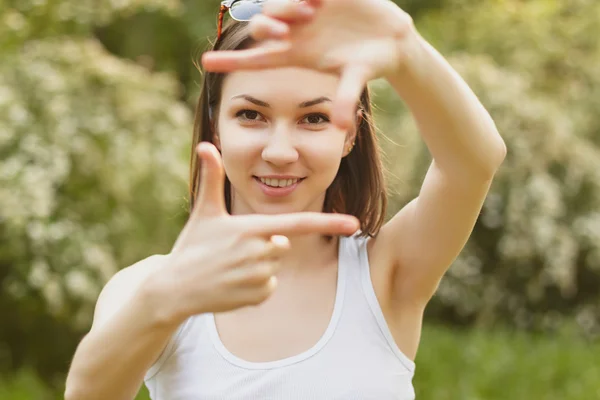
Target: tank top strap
(353, 255)
(358, 269)
(171, 347)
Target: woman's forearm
(458, 131)
(110, 362)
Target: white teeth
(278, 182)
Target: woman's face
(280, 150)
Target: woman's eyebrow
(314, 102)
(252, 100)
(261, 103)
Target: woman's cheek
(239, 141)
(327, 150)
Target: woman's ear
(351, 136)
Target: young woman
(285, 283)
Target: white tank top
(356, 358)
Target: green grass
(462, 365)
(25, 386)
(490, 365)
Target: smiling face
(275, 137)
(280, 150)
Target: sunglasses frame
(225, 7)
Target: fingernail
(281, 241)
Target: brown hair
(358, 188)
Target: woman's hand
(222, 262)
(357, 39)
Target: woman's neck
(310, 251)
(307, 251)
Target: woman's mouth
(277, 187)
(274, 182)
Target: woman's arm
(426, 236)
(457, 129)
(127, 336)
(142, 306)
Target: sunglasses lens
(244, 10)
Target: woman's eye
(313, 119)
(248, 115)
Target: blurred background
(96, 103)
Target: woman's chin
(274, 209)
(278, 206)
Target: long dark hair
(358, 188)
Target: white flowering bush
(536, 250)
(35, 18)
(93, 170)
(534, 258)
(92, 149)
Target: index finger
(289, 11)
(275, 54)
(352, 83)
(301, 224)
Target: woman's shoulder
(133, 275)
(122, 285)
(141, 269)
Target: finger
(272, 55)
(211, 199)
(260, 273)
(299, 224)
(280, 242)
(262, 28)
(314, 3)
(289, 11)
(352, 83)
(259, 249)
(278, 246)
(255, 295)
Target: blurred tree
(165, 42)
(93, 148)
(534, 257)
(171, 42)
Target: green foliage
(23, 20)
(93, 148)
(551, 44)
(25, 385)
(500, 365)
(534, 257)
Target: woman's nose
(280, 149)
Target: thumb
(211, 201)
(353, 80)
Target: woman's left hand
(358, 40)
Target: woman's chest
(322, 376)
(293, 321)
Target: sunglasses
(239, 10)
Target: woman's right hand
(222, 262)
